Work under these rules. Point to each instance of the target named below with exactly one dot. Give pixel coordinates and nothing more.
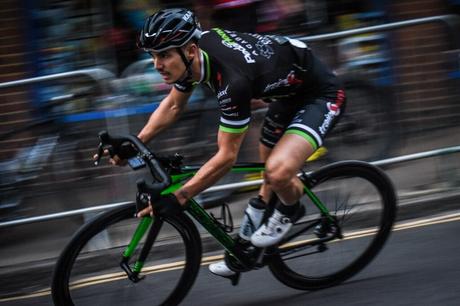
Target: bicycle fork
(133, 274)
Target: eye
(163, 54)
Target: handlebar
(114, 145)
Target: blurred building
(52, 36)
(427, 66)
(417, 66)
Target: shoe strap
(251, 223)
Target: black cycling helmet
(169, 28)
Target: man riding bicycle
(306, 99)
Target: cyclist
(306, 99)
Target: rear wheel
(361, 199)
(88, 271)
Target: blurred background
(404, 82)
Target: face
(169, 64)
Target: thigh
(316, 119)
(279, 115)
(289, 154)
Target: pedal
(235, 279)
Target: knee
(277, 175)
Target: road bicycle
(349, 212)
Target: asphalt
(28, 266)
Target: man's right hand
(115, 160)
(121, 155)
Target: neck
(196, 67)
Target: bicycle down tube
(201, 216)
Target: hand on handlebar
(118, 156)
(114, 160)
(130, 148)
(166, 205)
(118, 161)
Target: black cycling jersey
(241, 66)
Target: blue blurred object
(366, 53)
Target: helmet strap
(188, 65)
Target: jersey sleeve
(235, 105)
(184, 86)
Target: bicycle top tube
(238, 167)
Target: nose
(157, 64)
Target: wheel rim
(97, 279)
(359, 209)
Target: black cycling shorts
(312, 119)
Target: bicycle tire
(75, 265)
(368, 129)
(327, 268)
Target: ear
(191, 49)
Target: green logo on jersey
(223, 35)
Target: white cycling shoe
(273, 231)
(220, 268)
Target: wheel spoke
(360, 204)
(91, 268)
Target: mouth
(165, 75)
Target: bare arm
(167, 112)
(229, 144)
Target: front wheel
(362, 202)
(88, 271)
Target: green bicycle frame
(202, 217)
